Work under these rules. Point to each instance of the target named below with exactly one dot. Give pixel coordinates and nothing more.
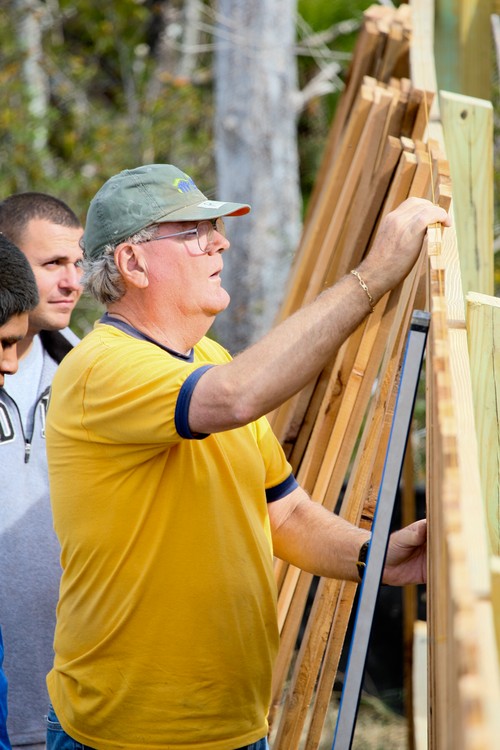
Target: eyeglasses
(204, 232)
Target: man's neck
(178, 338)
(24, 346)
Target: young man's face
(55, 257)
(11, 332)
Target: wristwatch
(361, 562)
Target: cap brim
(205, 210)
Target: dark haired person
(48, 232)
(18, 296)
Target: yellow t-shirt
(166, 623)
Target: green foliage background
(99, 59)
(112, 105)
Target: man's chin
(51, 323)
(224, 301)
(52, 316)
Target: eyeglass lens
(205, 231)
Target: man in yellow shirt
(170, 492)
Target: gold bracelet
(365, 289)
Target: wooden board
(483, 329)
(468, 136)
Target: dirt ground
(377, 727)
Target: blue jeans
(57, 739)
(4, 740)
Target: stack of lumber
(335, 432)
(368, 169)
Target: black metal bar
(401, 422)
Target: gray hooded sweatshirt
(29, 551)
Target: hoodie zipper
(27, 441)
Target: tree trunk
(189, 57)
(257, 159)
(29, 29)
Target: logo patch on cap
(184, 184)
(211, 204)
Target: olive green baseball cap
(136, 198)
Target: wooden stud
(468, 134)
(483, 331)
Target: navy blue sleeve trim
(182, 406)
(281, 490)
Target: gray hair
(101, 277)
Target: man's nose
(71, 278)
(8, 361)
(218, 244)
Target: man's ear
(131, 263)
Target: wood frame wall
(335, 431)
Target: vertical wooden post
(483, 328)
(408, 515)
(463, 49)
(495, 596)
(468, 135)
(475, 47)
(419, 690)
(446, 45)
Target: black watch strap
(361, 562)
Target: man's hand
(398, 242)
(407, 555)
